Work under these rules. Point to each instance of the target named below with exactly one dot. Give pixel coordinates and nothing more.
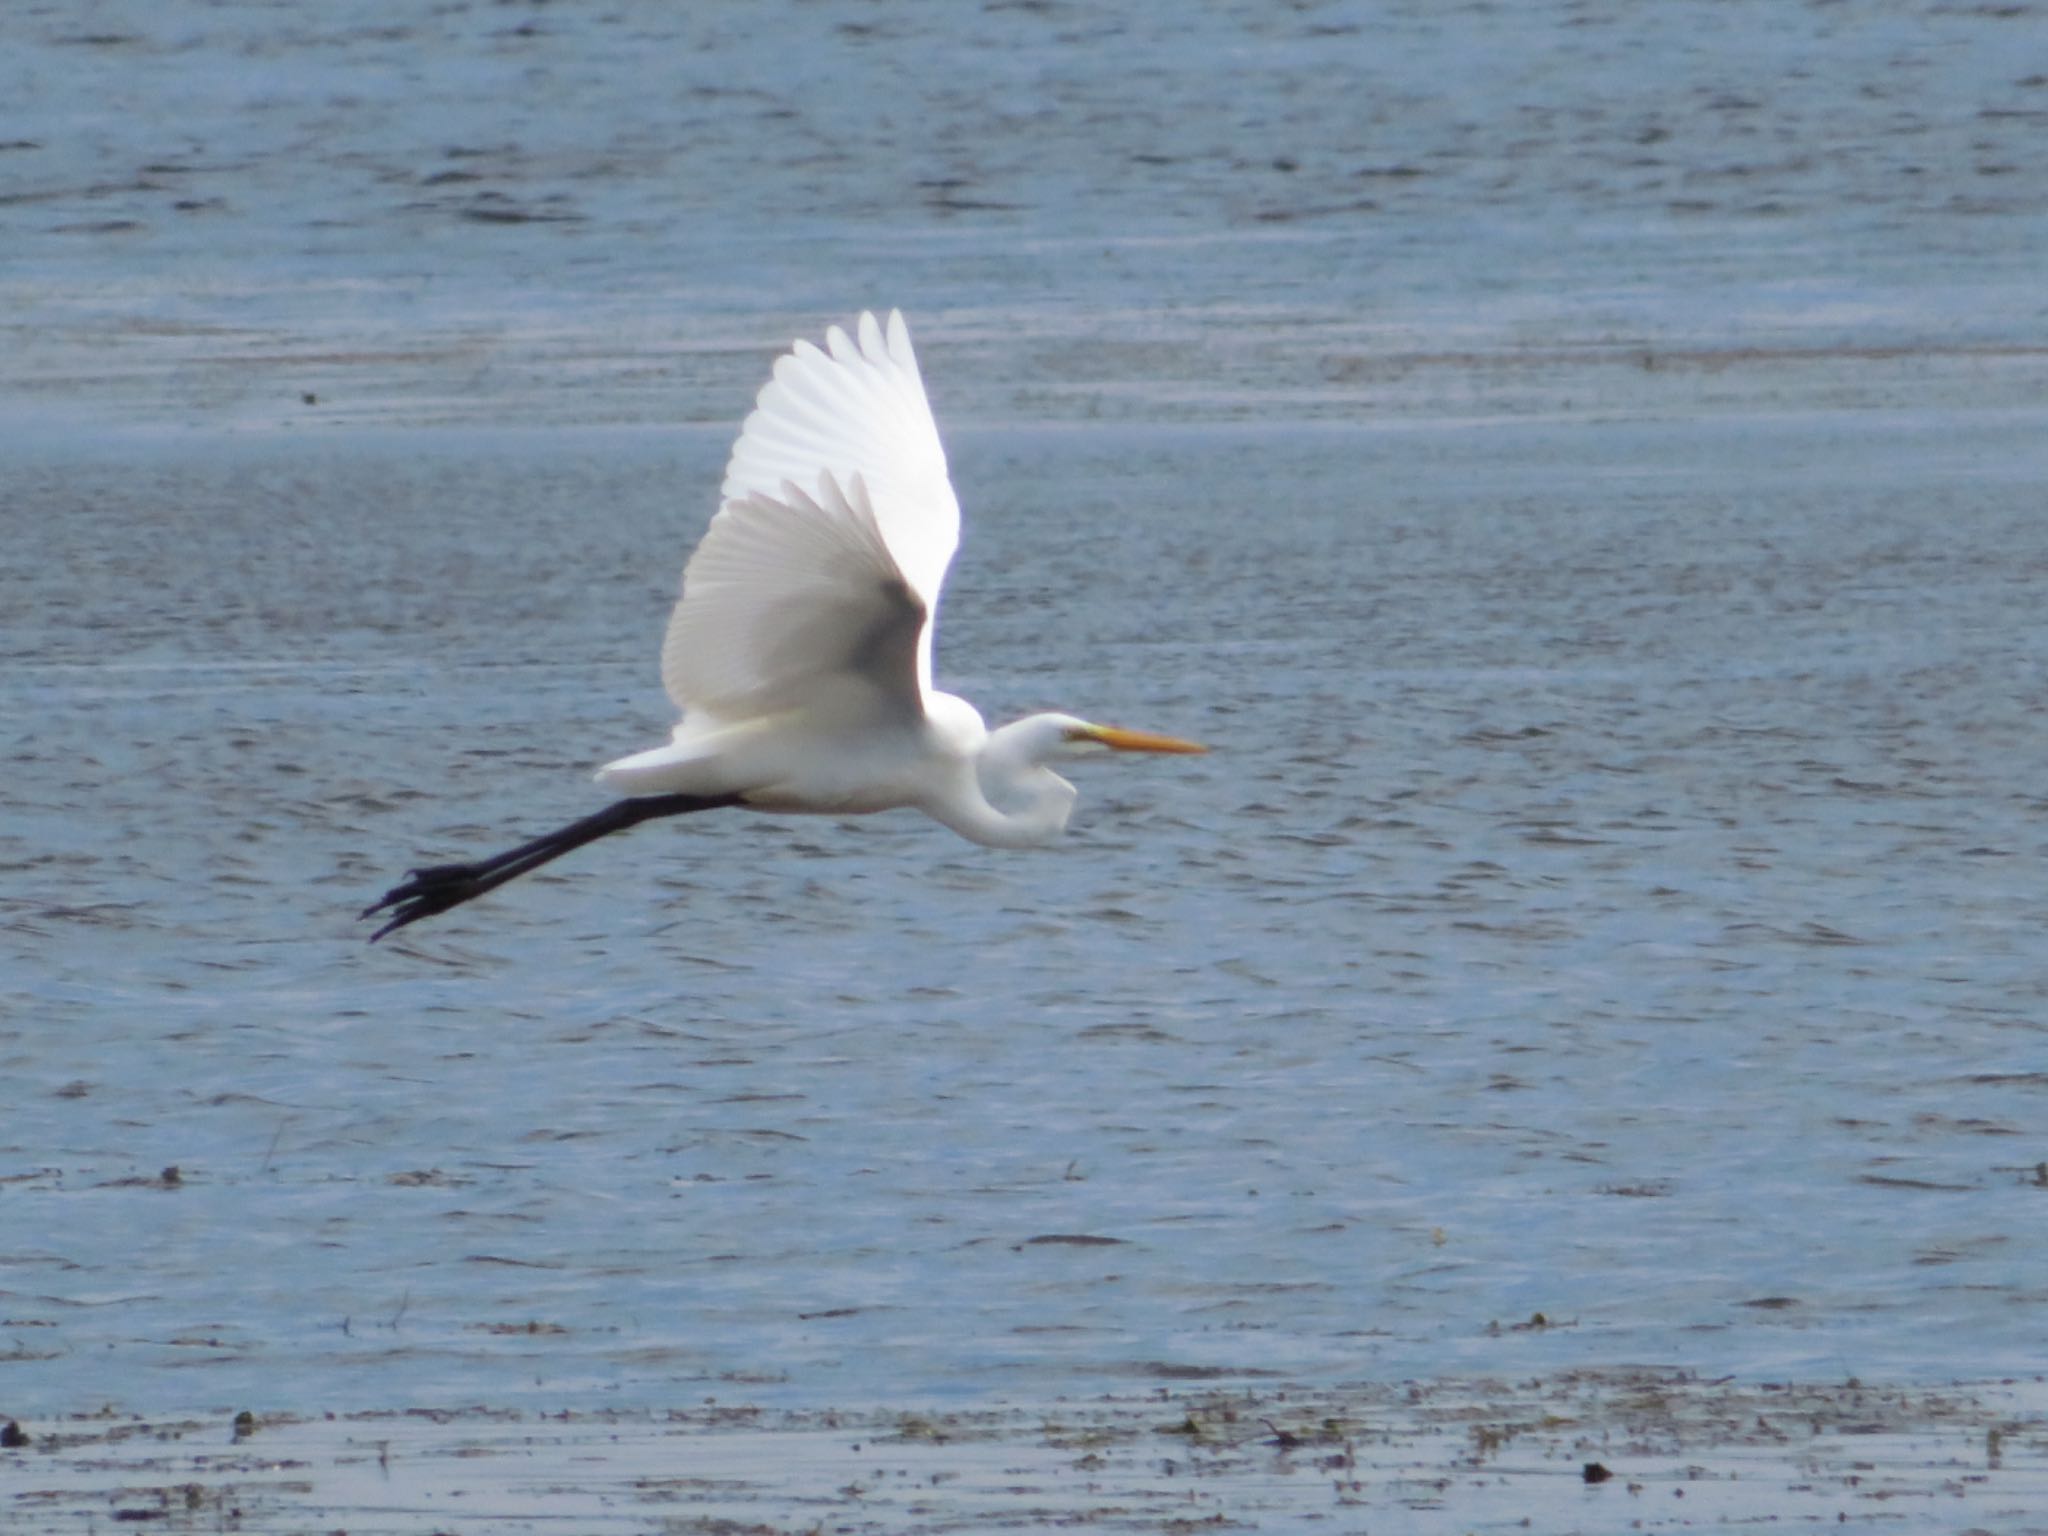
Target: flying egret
(800, 651)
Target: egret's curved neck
(1005, 796)
(1046, 800)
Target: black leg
(441, 886)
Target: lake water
(1579, 467)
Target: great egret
(800, 651)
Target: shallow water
(1611, 899)
(570, 212)
(1611, 584)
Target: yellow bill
(1133, 741)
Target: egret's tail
(653, 772)
(706, 758)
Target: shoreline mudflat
(1639, 1449)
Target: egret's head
(1015, 769)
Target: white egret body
(800, 651)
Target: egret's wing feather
(795, 601)
(844, 424)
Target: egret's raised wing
(794, 602)
(826, 558)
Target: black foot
(428, 891)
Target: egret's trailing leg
(440, 886)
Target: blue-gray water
(1581, 471)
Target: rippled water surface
(1582, 476)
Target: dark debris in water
(1071, 1240)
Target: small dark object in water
(245, 1424)
(1593, 1472)
(11, 1436)
(1072, 1240)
